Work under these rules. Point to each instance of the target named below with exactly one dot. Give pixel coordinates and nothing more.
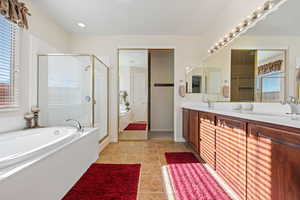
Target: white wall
(46, 29)
(43, 36)
(162, 106)
(187, 53)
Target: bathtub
(125, 117)
(23, 145)
(44, 163)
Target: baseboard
(103, 144)
(114, 139)
(161, 130)
(180, 140)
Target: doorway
(161, 96)
(146, 96)
(133, 95)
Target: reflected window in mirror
(270, 75)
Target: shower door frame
(93, 58)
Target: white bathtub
(125, 117)
(20, 146)
(44, 163)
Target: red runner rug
(107, 182)
(136, 127)
(190, 179)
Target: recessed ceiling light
(80, 24)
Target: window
(8, 89)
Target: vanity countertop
(273, 118)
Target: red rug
(107, 182)
(136, 127)
(190, 179)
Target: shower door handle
(87, 99)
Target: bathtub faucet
(78, 125)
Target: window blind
(8, 71)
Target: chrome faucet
(209, 103)
(293, 102)
(77, 124)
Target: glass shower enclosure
(73, 86)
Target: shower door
(65, 89)
(101, 98)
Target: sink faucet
(77, 124)
(209, 103)
(293, 102)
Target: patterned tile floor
(150, 154)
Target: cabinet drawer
(207, 117)
(229, 123)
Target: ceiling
(280, 23)
(135, 17)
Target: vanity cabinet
(185, 125)
(259, 161)
(273, 163)
(193, 134)
(207, 138)
(231, 153)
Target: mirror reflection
(257, 75)
(203, 80)
(263, 64)
(194, 79)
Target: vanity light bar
(251, 19)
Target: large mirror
(262, 64)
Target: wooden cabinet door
(185, 116)
(194, 129)
(207, 138)
(231, 153)
(273, 164)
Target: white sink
(265, 114)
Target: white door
(139, 94)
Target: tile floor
(150, 154)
